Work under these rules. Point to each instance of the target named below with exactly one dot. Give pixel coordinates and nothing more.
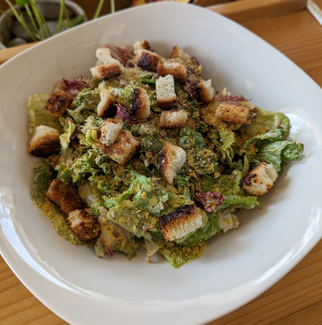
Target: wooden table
(297, 298)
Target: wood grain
(294, 300)
(251, 10)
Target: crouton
(141, 45)
(173, 119)
(181, 222)
(103, 55)
(166, 96)
(176, 69)
(140, 104)
(191, 124)
(65, 196)
(147, 60)
(205, 92)
(233, 114)
(106, 107)
(45, 141)
(83, 224)
(259, 180)
(178, 54)
(106, 71)
(125, 148)
(172, 158)
(57, 103)
(110, 130)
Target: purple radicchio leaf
(122, 53)
(209, 200)
(193, 77)
(232, 99)
(126, 116)
(73, 87)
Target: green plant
(39, 30)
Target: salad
(148, 152)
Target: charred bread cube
(147, 60)
(140, 104)
(259, 180)
(125, 148)
(233, 114)
(106, 71)
(172, 158)
(57, 103)
(178, 54)
(166, 96)
(205, 92)
(141, 45)
(173, 119)
(103, 55)
(65, 196)
(106, 106)
(181, 222)
(175, 68)
(45, 141)
(110, 130)
(83, 224)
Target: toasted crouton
(172, 158)
(110, 130)
(259, 180)
(140, 104)
(173, 119)
(178, 54)
(141, 45)
(65, 196)
(44, 142)
(166, 96)
(57, 103)
(103, 55)
(181, 222)
(205, 92)
(125, 148)
(147, 60)
(175, 68)
(233, 114)
(106, 71)
(106, 107)
(83, 224)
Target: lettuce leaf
(69, 128)
(39, 116)
(278, 153)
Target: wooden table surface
(295, 299)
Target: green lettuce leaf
(69, 128)
(39, 116)
(278, 153)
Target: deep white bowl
(237, 266)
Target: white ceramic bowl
(237, 266)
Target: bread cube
(57, 103)
(140, 104)
(173, 119)
(166, 96)
(45, 141)
(141, 45)
(103, 55)
(205, 92)
(65, 196)
(125, 148)
(110, 130)
(105, 107)
(233, 114)
(259, 180)
(106, 71)
(172, 158)
(178, 54)
(147, 60)
(181, 222)
(175, 68)
(83, 224)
